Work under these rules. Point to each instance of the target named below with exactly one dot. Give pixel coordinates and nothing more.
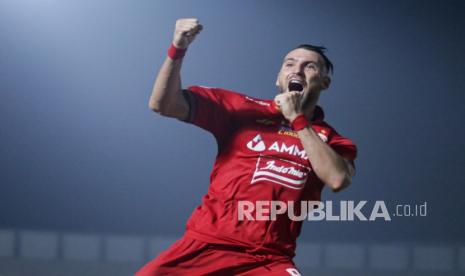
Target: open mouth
(295, 85)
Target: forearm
(329, 166)
(166, 97)
(167, 87)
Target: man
(268, 151)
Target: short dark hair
(320, 50)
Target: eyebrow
(290, 59)
(307, 62)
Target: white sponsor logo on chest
(257, 144)
(280, 171)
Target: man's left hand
(290, 104)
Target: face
(303, 71)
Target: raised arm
(166, 98)
(334, 170)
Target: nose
(298, 72)
(298, 69)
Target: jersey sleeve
(343, 146)
(213, 109)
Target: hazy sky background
(81, 151)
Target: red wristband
(299, 123)
(176, 53)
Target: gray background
(80, 150)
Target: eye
(288, 64)
(311, 66)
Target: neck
(309, 109)
(308, 112)
(309, 103)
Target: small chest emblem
(256, 144)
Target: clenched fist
(290, 104)
(185, 32)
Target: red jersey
(259, 158)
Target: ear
(326, 82)
(277, 80)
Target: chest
(274, 152)
(273, 138)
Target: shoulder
(341, 144)
(231, 100)
(214, 91)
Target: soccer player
(269, 151)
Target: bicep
(179, 108)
